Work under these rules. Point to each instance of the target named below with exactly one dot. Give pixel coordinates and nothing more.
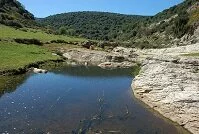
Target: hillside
(23, 43)
(149, 31)
(13, 13)
(93, 25)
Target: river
(77, 100)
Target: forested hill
(13, 13)
(177, 23)
(162, 28)
(93, 25)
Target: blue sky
(43, 8)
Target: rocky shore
(169, 83)
(118, 58)
(168, 80)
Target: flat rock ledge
(171, 87)
(118, 58)
(124, 64)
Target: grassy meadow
(10, 33)
(14, 55)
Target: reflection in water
(78, 100)
(82, 71)
(9, 83)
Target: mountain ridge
(159, 30)
(165, 29)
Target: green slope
(13, 13)
(29, 33)
(14, 55)
(151, 31)
(94, 25)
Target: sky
(44, 8)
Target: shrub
(28, 16)
(58, 41)
(29, 41)
(13, 23)
(5, 16)
(143, 45)
(24, 29)
(62, 30)
(88, 44)
(101, 44)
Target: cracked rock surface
(169, 83)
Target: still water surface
(78, 100)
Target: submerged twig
(86, 124)
(58, 99)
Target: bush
(58, 41)
(143, 45)
(5, 16)
(29, 41)
(101, 44)
(62, 30)
(24, 29)
(88, 44)
(28, 16)
(12, 23)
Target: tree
(62, 30)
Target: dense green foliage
(13, 13)
(142, 31)
(126, 30)
(93, 25)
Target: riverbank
(23, 48)
(19, 58)
(169, 83)
(29, 67)
(119, 57)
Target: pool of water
(78, 100)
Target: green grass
(10, 33)
(191, 54)
(13, 55)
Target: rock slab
(169, 83)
